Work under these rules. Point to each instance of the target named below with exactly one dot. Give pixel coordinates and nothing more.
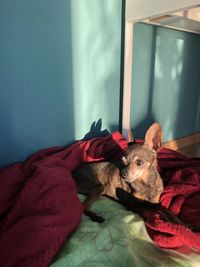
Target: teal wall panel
(59, 72)
(165, 81)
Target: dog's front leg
(96, 192)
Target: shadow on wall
(140, 128)
(60, 71)
(97, 70)
(165, 81)
(36, 81)
(96, 130)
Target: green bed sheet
(121, 241)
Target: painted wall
(59, 72)
(166, 81)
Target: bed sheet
(122, 240)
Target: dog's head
(140, 161)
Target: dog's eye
(139, 162)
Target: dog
(135, 173)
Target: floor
(192, 150)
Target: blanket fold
(39, 207)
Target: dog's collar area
(133, 180)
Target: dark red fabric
(181, 176)
(39, 207)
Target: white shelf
(178, 14)
(138, 10)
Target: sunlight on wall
(158, 64)
(178, 61)
(96, 48)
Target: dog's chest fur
(111, 179)
(108, 174)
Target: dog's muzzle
(124, 173)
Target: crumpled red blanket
(39, 207)
(181, 194)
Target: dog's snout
(124, 172)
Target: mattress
(122, 240)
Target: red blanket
(39, 207)
(181, 195)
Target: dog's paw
(94, 217)
(97, 218)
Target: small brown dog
(135, 173)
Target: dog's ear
(130, 137)
(153, 137)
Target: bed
(122, 240)
(42, 219)
(127, 239)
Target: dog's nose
(124, 173)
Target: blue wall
(166, 81)
(59, 72)
(60, 75)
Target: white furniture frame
(150, 11)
